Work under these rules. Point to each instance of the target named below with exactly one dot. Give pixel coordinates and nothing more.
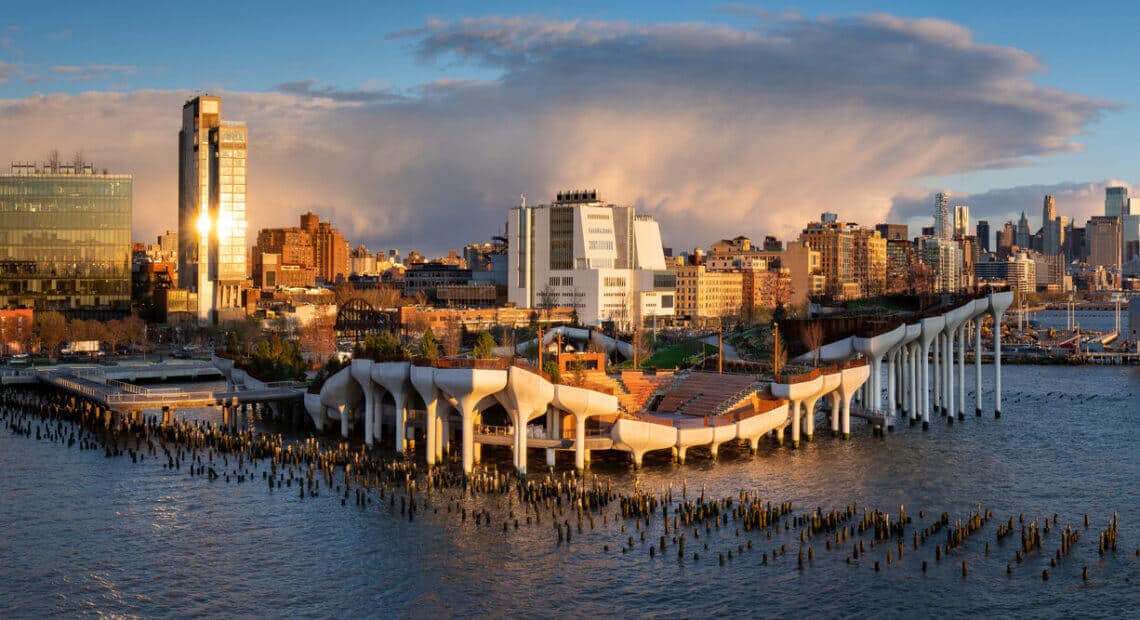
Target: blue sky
(256, 47)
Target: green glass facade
(65, 242)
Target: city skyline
(470, 108)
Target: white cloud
(716, 130)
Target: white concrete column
(892, 361)
(978, 366)
(401, 422)
(874, 384)
(378, 416)
(343, 420)
(962, 332)
(442, 428)
(580, 442)
(468, 443)
(367, 418)
(809, 417)
(520, 445)
(835, 398)
(552, 430)
(477, 448)
(796, 423)
(936, 372)
(431, 431)
(924, 389)
(997, 365)
(948, 374)
(845, 418)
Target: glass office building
(65, 239)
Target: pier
(923, 356)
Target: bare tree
(453, 338)
(547, 300)
(812, 334)
(318, 337)
(51, 327)
(507, 340)
(134, 331)
(779, 354)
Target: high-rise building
(983, 232)
(1024, 238)
(65, 239)
(284, 257)
(893, 232)
(961, 221)
(212, 208)
(704, 297)
(834, 243)
(944, 258)
(329, 246)
(601, 259)
(1102, 238)
(943, 226)
(869, 261)
(1006, 239)
(1052, 229)
(1115, 201)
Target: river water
(85, 534)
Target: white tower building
(601, 259)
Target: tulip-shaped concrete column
(831, 383)
(999, 303)
(469, 386)
(796, 394)
(978, 364)
(962, 333)
(361, 371)
(583, 403)
(931, 328)
(423, 380)
(395, 378)
(526, 397)
(341, 393)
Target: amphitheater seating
(707, 394)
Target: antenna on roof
(522, 197)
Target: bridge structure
(924, 358)
(109, 389)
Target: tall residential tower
(212, 208)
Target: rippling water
(80, 533)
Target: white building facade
(601, 259)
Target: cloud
(1078, 201)
(716, 130)
(85, 73)
(310, 88)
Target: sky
(419, 126)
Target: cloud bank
(715, 130)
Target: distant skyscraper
(1006, 239)
(1052, 229)
(212, 208)
(1023, 235)
(961, 221)
(984, 235)
(943, 227)
(1115, 201)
